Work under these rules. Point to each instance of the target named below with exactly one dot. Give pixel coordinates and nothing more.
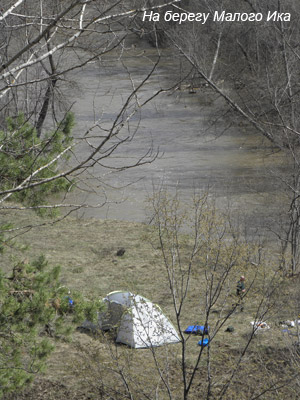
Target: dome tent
(139, 322)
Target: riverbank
(87, 252)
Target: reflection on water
(237, 166)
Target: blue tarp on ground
(197, 329)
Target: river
(197, 146)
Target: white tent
(139, 322)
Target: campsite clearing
(83, 367)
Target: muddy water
(196, 147)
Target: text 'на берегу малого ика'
(217, 16)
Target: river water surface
(197, 146)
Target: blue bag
(203, 342)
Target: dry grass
(89, 367)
